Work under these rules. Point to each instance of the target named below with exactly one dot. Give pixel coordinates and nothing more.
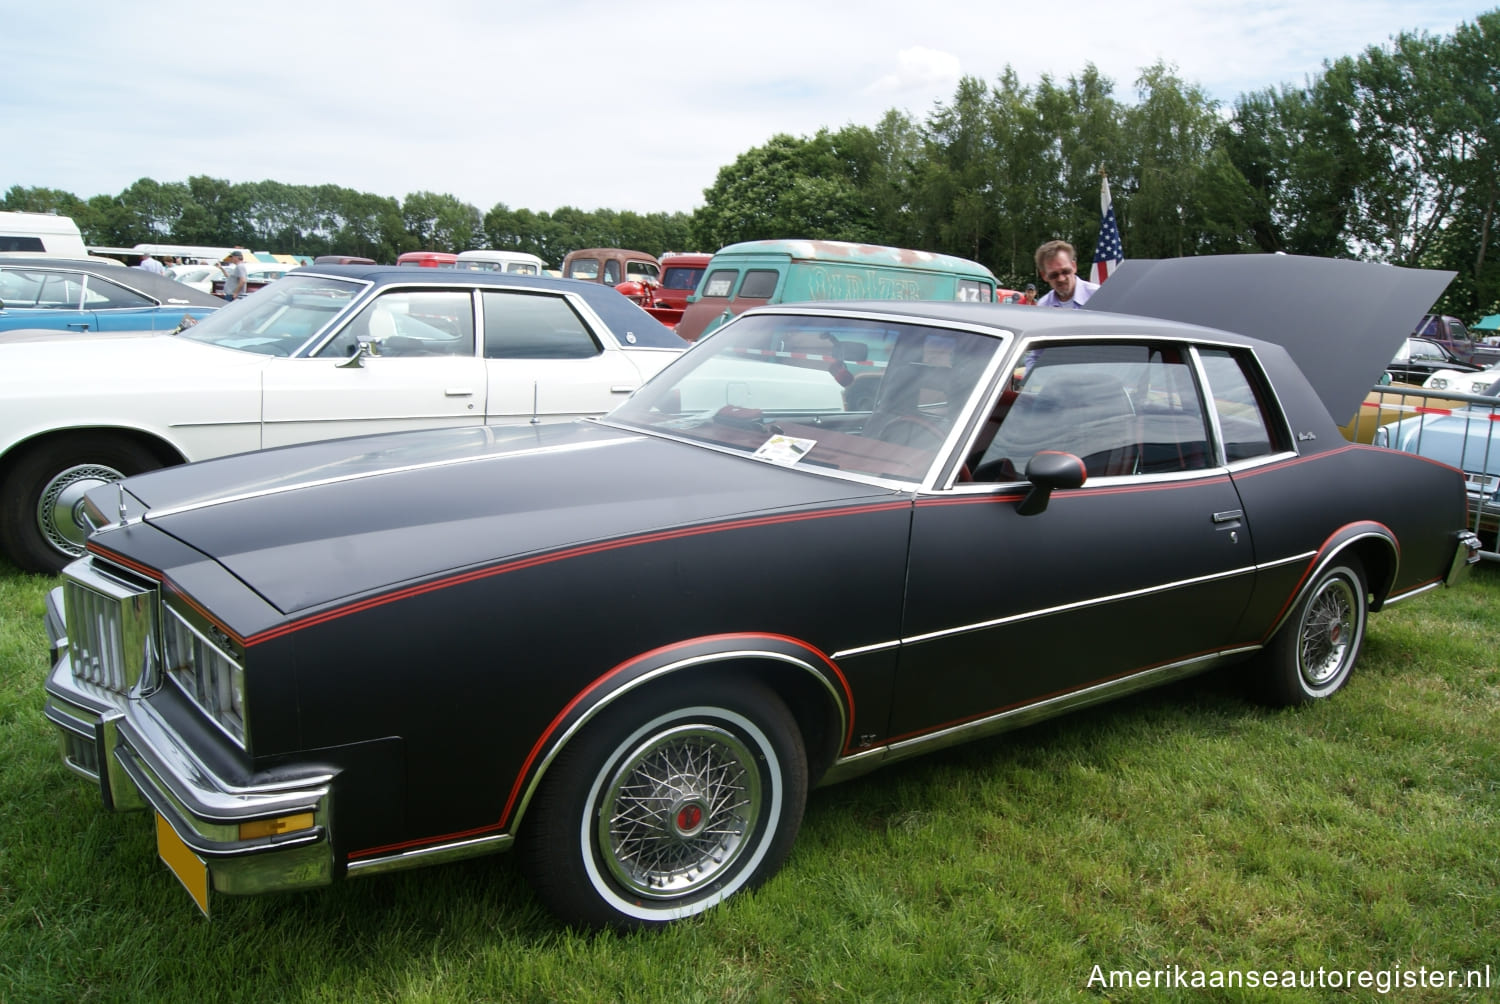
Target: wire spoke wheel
(1313, 654)
(670, 802)
(1327, 628)
(679, 810)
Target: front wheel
(669, 804)
(41, 524)
(1315, 650)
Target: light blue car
(69, 294)
(1466, 437)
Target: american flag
(1108, 252)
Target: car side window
(611, 273)
(719, 282)
(641, 270)
(410, 323)
(1124, 409)
(101, 294)
(1239, 402)
(759, 284)
(18, 288)
(40, 288)
(972, 291)
(534, 326)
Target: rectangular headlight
(206, 673)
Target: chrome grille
(111, 627)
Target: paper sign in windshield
(785, 449)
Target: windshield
(863, 396)
(279, 319)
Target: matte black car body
(455, 639)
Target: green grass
(1181, 827)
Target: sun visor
(1341, 321)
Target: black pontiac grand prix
(825, 539)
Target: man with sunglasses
(1057, 263)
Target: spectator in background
(150, 264)
(1029, 296)
(235, 275)
(1057, 263)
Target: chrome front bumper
(122, 744)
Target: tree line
(1390, 155)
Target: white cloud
(919, 67)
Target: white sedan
(341, 351)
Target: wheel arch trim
(1350, 538)
(651, 667)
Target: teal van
(741, 276)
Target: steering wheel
(913, 431)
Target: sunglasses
(1060, 273)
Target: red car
(665, 299)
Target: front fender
(745, 652)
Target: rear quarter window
(1241, 403)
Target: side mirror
(356, 361)
(1047, 471)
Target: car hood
(1340, 321)
(311, 524)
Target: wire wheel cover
(679, 811)
(1328, 629)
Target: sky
(585, 104)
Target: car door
(544, 361)
(418, 369)
(1145, 569)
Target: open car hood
(1341, 321)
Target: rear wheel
(666, 806)
(1315, 650)
(41, 525)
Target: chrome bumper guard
(121, 744)
(1465, 556)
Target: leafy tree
(789, 187)
(439, 222)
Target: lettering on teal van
(844, 283)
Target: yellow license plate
(187, 866)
